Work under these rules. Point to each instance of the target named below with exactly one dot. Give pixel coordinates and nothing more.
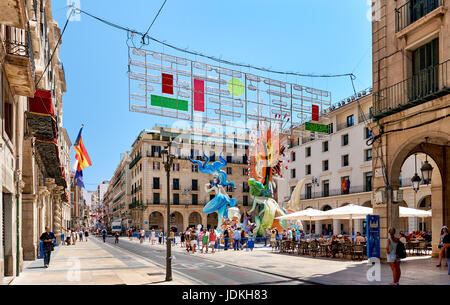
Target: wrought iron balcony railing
(336, 192)
(413, 10)
(20, 45)
(428, 84)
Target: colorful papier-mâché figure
(221, 201)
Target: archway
(211, 221)
(194, 219)
(435, 149)
(176, 222)
(156, 221)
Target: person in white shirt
(153, 236)
(289, 234)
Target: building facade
(147, 179)
(33, 146)
(411, 81)
(336, 169)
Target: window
(244, 172)
(367, 133)
(292, 156)
(308, 169)
(194, 168)
(344, 139)
(211, 197)
(368, 155)
(293, 173)
(194, 199)
(155, 183)
(344, 160)
(330, 128)
(325, 188)
(245, 200)
(368, 181)
(156, 166)
(194, 185)
(324, 165)
(229, 159)
(229, 171)
(245, 187)
(325, 146)
(176, 184)
(176, 167)
(212, 156)
(176, 198)
(424, 70)
(370, 113)
(156, 151)
(308, 151)
(156, 198)
(292, 189)
(230, 188)
(244, 159)
(8, 117)
(350, 120)
(308, 191)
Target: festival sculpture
(221, 202)
(266, 153)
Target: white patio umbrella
(308, 214)
(409, 212)
(350, 212)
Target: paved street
(196, 267)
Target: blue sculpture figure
(221, 201)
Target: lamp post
(426, 168)
(168, 161)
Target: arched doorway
(211, 221)
(430, 145)
(176, 222)
(156, 221)
(194, 219)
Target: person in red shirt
(212, 239)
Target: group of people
(74, 235)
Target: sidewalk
(420, 270)
(94, 263)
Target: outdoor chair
(358, 251)
(313, 248)
(422, 247)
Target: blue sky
(320, 37)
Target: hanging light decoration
(426, 168)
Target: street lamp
(426, 168)
(168, 161)
(415, 179)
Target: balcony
(135, 190)
(336, 192)
(19, 61)
(428, 84)
(135, 160)
(414, 10)
(12, 13)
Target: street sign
(316, 127)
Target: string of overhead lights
(147, 38)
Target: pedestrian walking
(212, 240)
(142, 236)
(236, 238)
(81, 235)
(193, 238)
(182, 238)
(68, 236)
(116, 235)
(153, 236)
(86, 234)
(446, 247)
(392, 258)
(74, 237)
(226, 236)
(47, 239)
(205, 241)
(172, 236)
(104, 235)
(188, 239)
(442, 249)
(243, 239)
